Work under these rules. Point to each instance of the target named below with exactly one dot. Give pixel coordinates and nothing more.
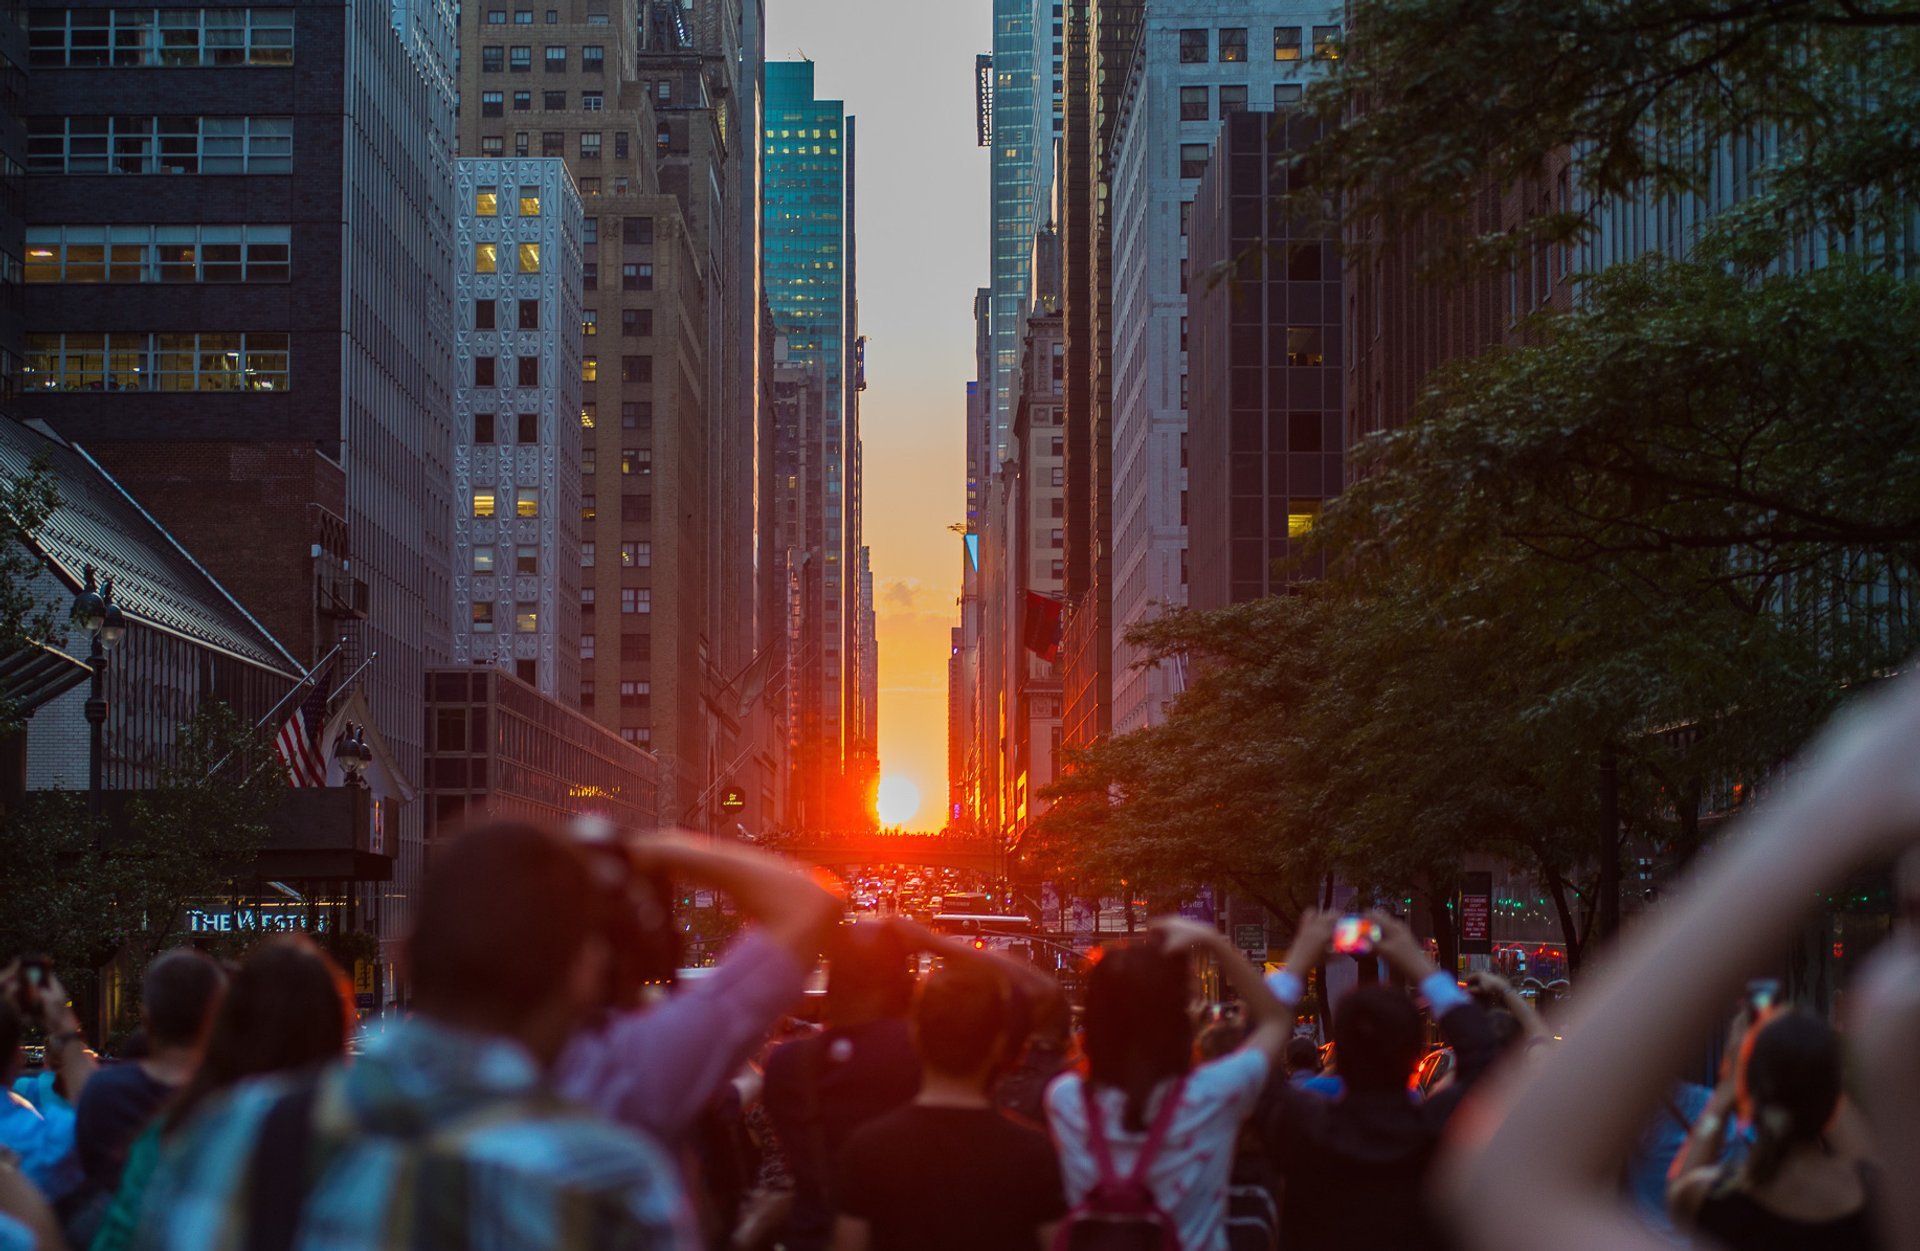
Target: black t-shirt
(950, 1179)
(116, 1105)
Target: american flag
(295, 742)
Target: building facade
(1263, 447)
(516, 462)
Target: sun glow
(899, 800)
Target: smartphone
(1762, 994)
(34, 974)
(1355, 936)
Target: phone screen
(1355, 936)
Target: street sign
(1251, 939)
(363, 977)
(733, 799)
(1476, 914)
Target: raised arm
(1537, 1165)
(793, 906)
(1269, 1020)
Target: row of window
(634, 508)
(634, 415)
(636, 369)
(523, 258)
(633, 461)
(160, 145)
(633, 555)
(524, 17)
(635, 323)
(494, 103)
(486, 315)
(157, 362)
(1196, 44)
(1233, 99)
(633, 600)
(519, 59)
(159, 253)
(525, 371)
(130, 38)
(486, 202)
(526, 560)
(526, 617)
(489, 502)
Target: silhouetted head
(962, 1023)
(868, 978)
(1790, 1084)
(12, 1030)
(288, 1007)
(1138, 1034)
(1303, 1056)
(178, 996)
(1376, 1037)
(509, 935)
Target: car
(1432, 1072)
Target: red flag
(304, 766)
(1040, 630)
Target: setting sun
(899, 800)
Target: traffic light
(979, 944)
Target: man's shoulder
(119, 1091)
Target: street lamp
(353, 754)
(95, 612)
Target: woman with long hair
(1797, 1187)
(288, 1008)
(1141, 1092)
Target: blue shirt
(44, 1143)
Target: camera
(1355, 936)
(34, 974)
(638, 910)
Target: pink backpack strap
(1096, 1134)
(1156, 1133)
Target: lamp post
(353, 754)
(95, 612)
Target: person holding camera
(42, 1140)
(447, 1131)
(1356, 1166)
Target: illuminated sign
(983, 100)
(733, 799)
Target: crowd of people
(544, 1092)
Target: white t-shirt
(1189, 1176)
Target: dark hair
(288, 1007)
(1376, 1037)
(12, 1029)
(503, 912)
(1790, 1078)
(961, 1020)
(1138, 1034)
(178, 996)
(867, 971)
(1303, 1056)
(1507, 1032)
(1221, 1037)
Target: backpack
(1120, 1213)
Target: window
(483, 504)
(256, 253)
(590, 145)
(496, 17)
(636, 555)
(1301, 516)
(593, 59)
(492, 145)
(483, 427)
(1303, 432)
(520, 60)
(483, 558)
(483, 311)
(1233, 43)
(1326, 43)
(636, 369)
(160, 145)
(636, 415)
(1287, 95)
(526, 560)
(1193, 160)
(1233, 99)
(1193, 46)
(526, 618)
(586, 653)
(634, 508)
(529, 371)
(530, 207)
(638, 734)
(493, 103)
(529, 427)
(1059, 476)
(492, 59)
(486, 201)
(84, 38)
(589, 460)
(553, 17)
(589, 509)
(486, 258)
(636, 230)
(589, 369)
(636, 277)
(621, 145)
(1057, 446)
(523, 102)
(586, 686)
(593, 101)
(632, 693)
(636, 460)
(526, 502)
(1286, 43)
(556, 59)
(589, 411)
(529, 314)
(529, 256)
(527, 670)
(519, 143)
(636, 599)
(1303, 346)
(483, 371)
(523, 17)
(590, 230)
(589, 188)
(589, 322)
(636, 323)
(1303, 263)
(590, 276)
(482, 618)
(1193, 104)
(587, 551)
(553, 101)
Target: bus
(986, 929)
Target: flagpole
(305, 682)
(355, 674)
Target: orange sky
(905, 71)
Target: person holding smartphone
(1356, 1166)
(43, 1141)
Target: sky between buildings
(905, 70)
